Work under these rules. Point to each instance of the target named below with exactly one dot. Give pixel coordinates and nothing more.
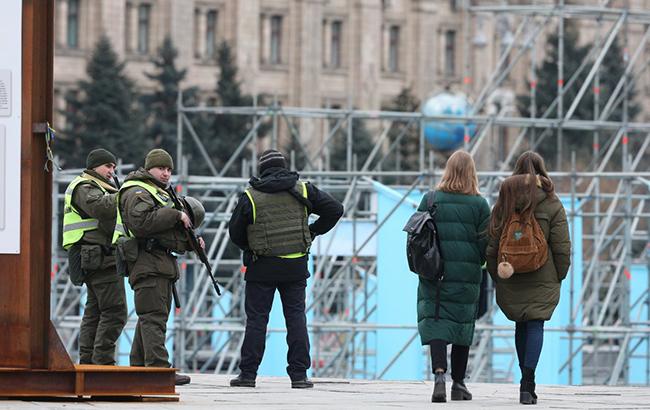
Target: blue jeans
(529, 337)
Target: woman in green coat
(529, 299)
(461, 218)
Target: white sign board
(10, 103)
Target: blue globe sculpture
(445, 136)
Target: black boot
(459, 391)
(181, 379)
(439, 394)
(527, 388)
(242, 381)
(302, 383)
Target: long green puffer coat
(535, 295)
(462, 227)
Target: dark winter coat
(534, 295)
(89, 199)
(146, 219)
(462, 226)
(272, 268)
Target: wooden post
(33, 361)
(25, 291)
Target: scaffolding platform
(212, 391)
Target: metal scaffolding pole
(610, 196)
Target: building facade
(311, 53)
(318, 53)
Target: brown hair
(512, 190)
(460, 175)
(532, 163)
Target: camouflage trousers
(104, 318)
(153, 298)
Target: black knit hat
(99, 157)
(271, 158)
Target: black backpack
(422, 243)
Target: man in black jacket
(270, 224)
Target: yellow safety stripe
(84, 224)
(250, 197)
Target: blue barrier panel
(552, 368)
(638, 346)
(220, 340)
(397, 291)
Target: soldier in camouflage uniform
(147, 215)
(88, 224)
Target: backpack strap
(431, 202)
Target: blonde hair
(460, 175)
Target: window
(450, 53)
(275, 56)
(393, 48)
(272, 41)
(210, 34)
(144, 14)
(73, 24)
(335, 47)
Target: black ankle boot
(527, 388)
(439, 394)
(459, 391)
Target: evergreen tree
(408, 148)
(161, 104)
(362, 145)
(546, 73)
(103, 113)
(227, 131)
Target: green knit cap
(158, 158)
(99, 157)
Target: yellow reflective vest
(75, 225)
(160, 196)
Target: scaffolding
(609, 194)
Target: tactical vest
(75, 225)
(279, 225)
(160, 196)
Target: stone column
(112, 24)
(61, 35)
(422, 76)
(368, 67)
(309, 48)
(265, 40)
(132, 29)
(245, 39)
(202, 25)
(182, 31)
(326, 42)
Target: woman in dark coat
(461, 217)
(529, 299)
